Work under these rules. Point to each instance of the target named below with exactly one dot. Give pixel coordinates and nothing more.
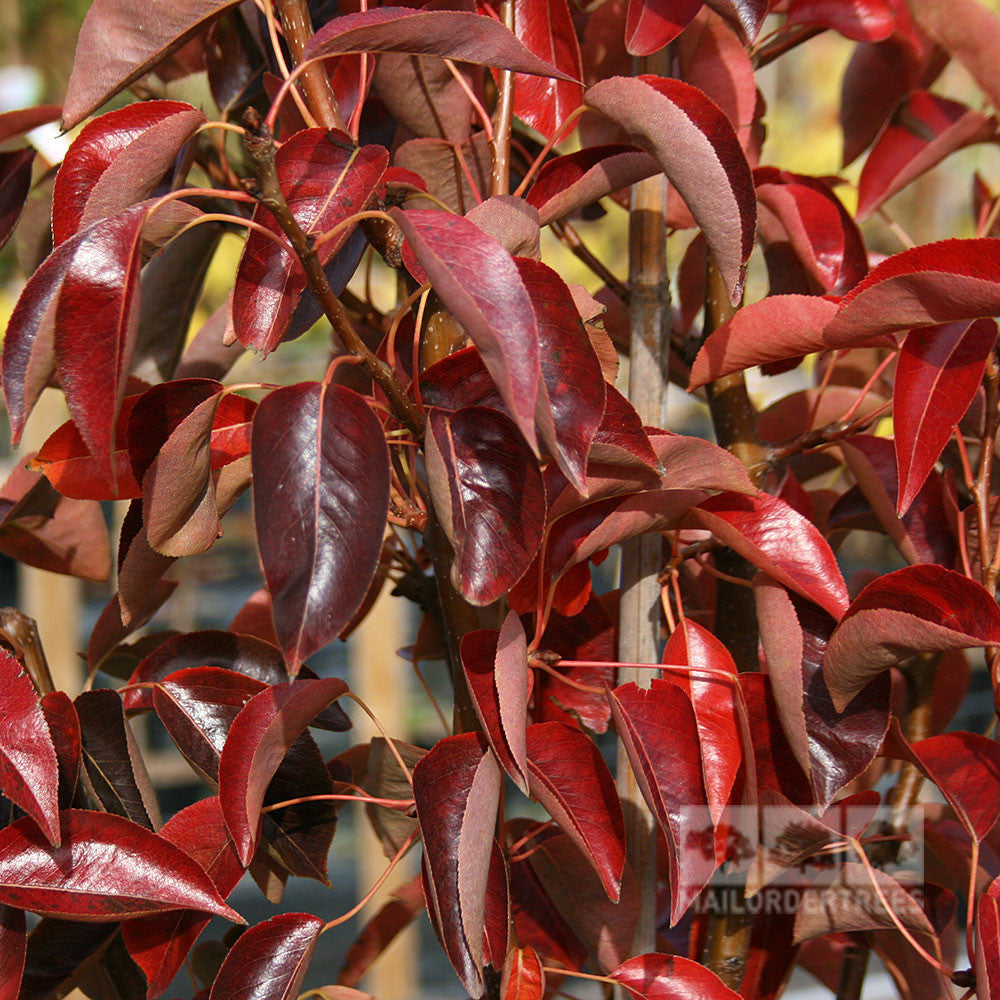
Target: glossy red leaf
(326, 178)
(496, 671)
(29, 769)
(933, 283)
(546, 29)
(658, 729)
(479, 283)
(964, 766)
(914, 609)
(523, 975)
(924, 130)
(118, 160)
(696, 147)
(571, 392)
(572, 181)
(159, 944)
(262, 734)
(569, 777)
(489, 496)
(106, 868)
(269, 961)
(21, 120)
(778, 327)
(457, 791)
(458, 35)
(114, 49)
(780, 541)
(744, 16)
(988, 940)
(938, 373)
(64, 725)
(651, 24)
(860, 20)
(621, 440)
(321, 494)
(113, 767)
(669, 977)
(13, 945)
(715, 711)
(15, 183)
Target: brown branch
(983, 480)
(500, 179)
(298, 30)
(570, 238)
(853, 969)
(20, 632)
(259, 145)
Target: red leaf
(780, 541)
(669, 977)
(567, 774)
(860, 20)
(269, 961)
(458, 35)
(159, 944)
(696, 147)
(523, 975)
(778, 327)
(914, 609)
(13, 944)
(937, 376)
(651, 24)
(547, 30)
(321, 494)
(479, 283)
(571, 392)
(262, 734)
(326, 179)
(117, 160)
(14, 123)
(64, 725)
(29, 770)
(924, 130)
(496, 670)
(714, 704)
(107, 868)
(489, 496)
(988, 940)
(964, 766)
(457, 791)
(572, 181)
(15, 184)
(113, 49)
(657, 727)
(744, 16)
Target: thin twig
(500, 143)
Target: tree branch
(500, 180)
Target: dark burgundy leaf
(489, 496)
(13, 945)
(860, 20)
(269, 961)
(15, 183)
(14, 123)
(326, 179)
(29, 769)
(106, 867)
(159, 944)
(696, 147)
(457, 790)
(64, 725)
(321, 493)
(262, 734)
(669, 977)
(114, 49)
(571, 391)
(547, 30)
(458, 35)
(479, 283)
(745, 16)
(569, 777)
(572, 181)
(621, 440)
(924, 130)
(651, 24)
(496, 671)
(112, 763)
(988, 939)
(914, 609)
(780, 541)
(117, 160)
(439, 166)
(937, 375)
(385, 780)
(657, 727)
